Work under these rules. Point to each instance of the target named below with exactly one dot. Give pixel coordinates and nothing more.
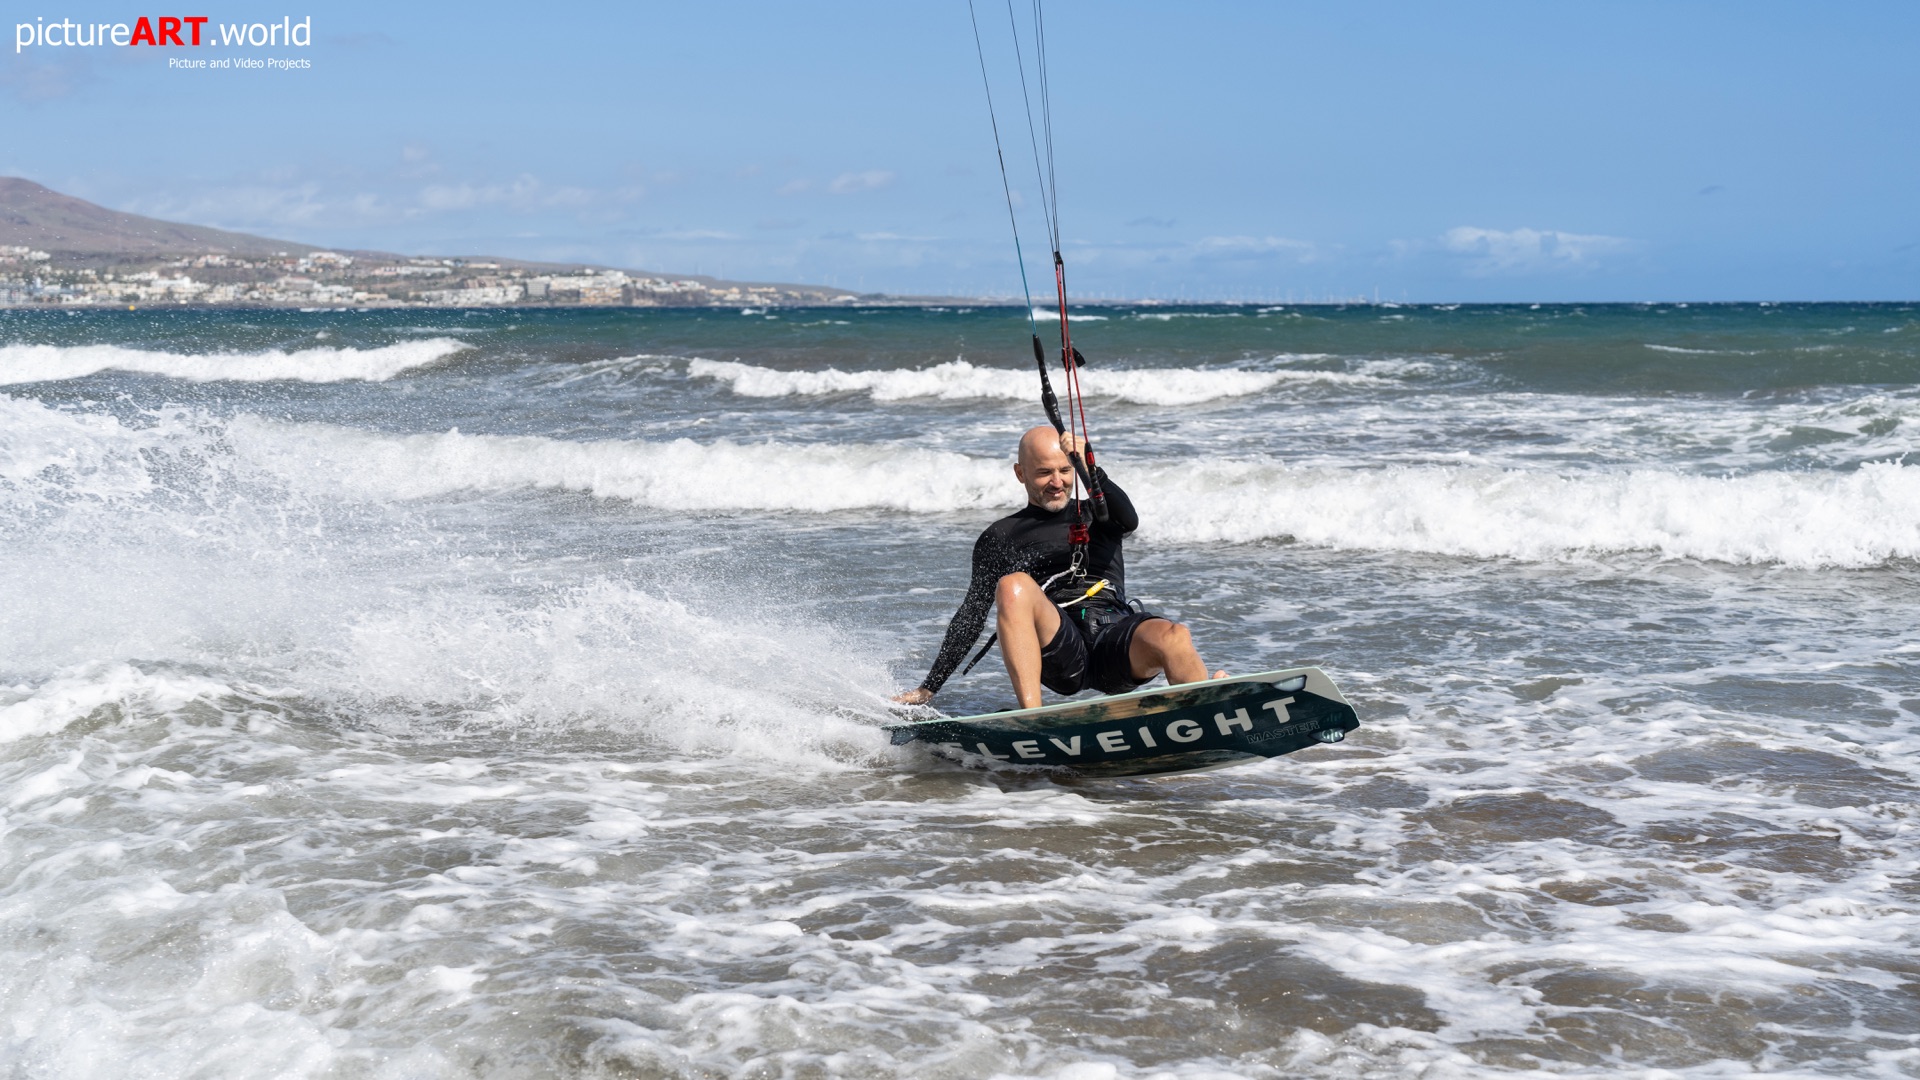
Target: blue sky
(1428, 152)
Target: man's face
(1046, 472)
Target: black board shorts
(1079, 657)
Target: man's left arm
(1120, 512)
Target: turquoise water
(501, 693)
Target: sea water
(502, 694)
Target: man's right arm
(967, 622)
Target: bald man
(1051, 632)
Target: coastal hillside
(37, 217)
(56, 250)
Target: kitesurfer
(1063, 616)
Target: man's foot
(1221, 674)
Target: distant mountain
(80, 234)
(38, 217)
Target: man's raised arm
(1120, 509)
(1121, 514)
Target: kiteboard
(1164, 729)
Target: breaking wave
(1700, 352)
(52, 460)
(1853, 519)
(1045, 315)
(1810, 520)
(51, 363)
(179, 542)
(958, 380)
(676, 475)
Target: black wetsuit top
(1034, 540)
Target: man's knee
(1015, 590)
(1169, 638)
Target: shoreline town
(30, 277)
(62, 252)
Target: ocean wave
(51, 363)
(1860, 517)
(1043, 314)
(1810, 520)
(1700, 352)
(958, 380)
(154, 543)
(1390, 369)
(565, 660)
(611, 368)
(77, 694)
(676, 475)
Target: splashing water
(510, 703)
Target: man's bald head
(1039, 443)
(1044, 468)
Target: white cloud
(526, 193)
(416, 162)
(1496, 251)
(1251, 247)
(402, 216)
(849, 183)
(696, 234)
(469, 196)
(368, 206)
(250, 207)
(36, 82)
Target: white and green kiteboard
(1164, 729)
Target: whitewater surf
(457, 693)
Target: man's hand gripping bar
(1082, 467)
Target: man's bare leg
(1161, 645)
(1027, 621)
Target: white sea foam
(331, 751)
(76, 695)
(676, 475)
(1699, 352)
(1607, 829)
(187, 536)
(611, 369)
(1856, 518)
(1044, 315)
(1860, 517)
(615, 657)
(959, 380)
(49, 363)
